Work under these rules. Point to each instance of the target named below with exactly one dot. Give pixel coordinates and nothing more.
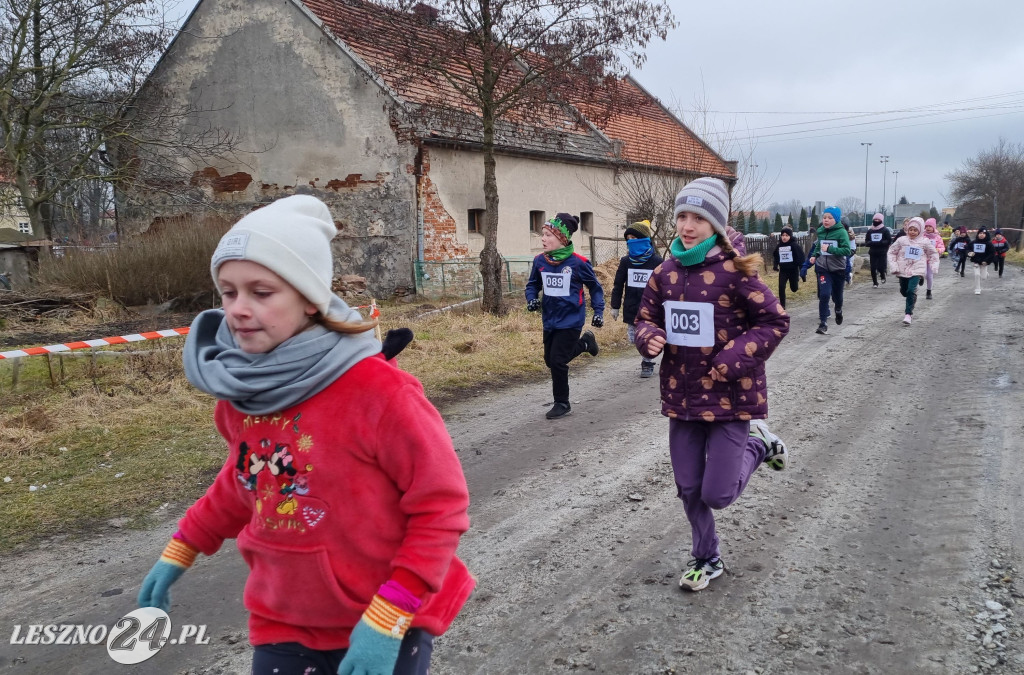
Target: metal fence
(612, 248)
(462, 279)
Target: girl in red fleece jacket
(341, 484)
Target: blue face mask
(637, 247)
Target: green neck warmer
(559, 254)
(695, 255)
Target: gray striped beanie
(708, 198)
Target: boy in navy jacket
(560, 274)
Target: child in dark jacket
(1000, 246)
(717, 323)
(631, 280)
(981, 253)
(561, 274)
(959, 245)
(787, 258)
(878, 239)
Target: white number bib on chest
(689, 324)
(826, 244)
(556, 284)
(979, 248)
(913, 253)
(785, 254)
(960, 246)
(876, 236)
(638, 278)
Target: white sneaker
(777, 455)
(906, 319)
(700, 572)
(977, 291)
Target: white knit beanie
(290, 237)
(708, 198)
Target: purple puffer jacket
(749, 323)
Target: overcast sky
(753, 58)
(956, 70)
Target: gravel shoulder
(875, 553)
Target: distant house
(305, 85)
(13, 215)
(902, 211)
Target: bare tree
(990, 187)
(506, 67)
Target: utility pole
(884, 161)
(866, 149)
(895, 192)
(995, 211)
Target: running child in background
(982, 253)
(909, 257)
(717, 323)
(878, 239)
(341, 484)
(631, 279)
(1000, 247)
(933, 235)
(787, 258)
(959, 245)
(561, 274)
(828, 255)
(853, 252)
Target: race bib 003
(913, 252)
(689, 324)
(785, 254)
(979, 248)
(827, 244)
(556, 284)
(876, 236)
(638, 278)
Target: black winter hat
(569, 220)
(787, 230)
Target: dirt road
(876, 552)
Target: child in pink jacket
(932, 232)
(909, 258)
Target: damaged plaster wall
(306, 120)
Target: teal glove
(156, 587)
(376, 639)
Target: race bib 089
(638, 278)
(556, 284)
(689, 324)
(785, 254)
(913, 253)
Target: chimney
(425, 12)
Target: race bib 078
(689, 324)
(785, 254)
(556, 284)
(638, 278)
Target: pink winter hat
(916, 223)
(878, 218)
(930, 221)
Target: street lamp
(867, 147)
(884, 160)
(895, 199)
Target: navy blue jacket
(568, 311)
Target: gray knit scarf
(295, 370)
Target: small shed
(19, 256)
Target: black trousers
(998, 264)
(561, 346)
(792, 276)
(291, 658)
(961, 264)
(878, 264)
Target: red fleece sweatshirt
(331, 498)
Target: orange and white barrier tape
(101, 342)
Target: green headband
(558, 225)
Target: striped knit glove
(374, 642)
(156, 587)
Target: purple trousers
(712, 462)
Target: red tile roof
(647, 133)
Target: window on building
(587, 222)
(536, 221)
(476, 221)
(25, 228)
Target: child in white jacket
(909, 257)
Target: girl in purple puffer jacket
(717, 324)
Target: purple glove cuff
(399, 596)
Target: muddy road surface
(892, 544)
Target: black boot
(590, 341)
(559, 409)
(928, 294)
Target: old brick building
(304, 88)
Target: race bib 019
(556, 284)
(876, 236)
(689, 324)
(827, 244)
(979, 248)
(638, 278)
(785, 254)
(913, 252)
